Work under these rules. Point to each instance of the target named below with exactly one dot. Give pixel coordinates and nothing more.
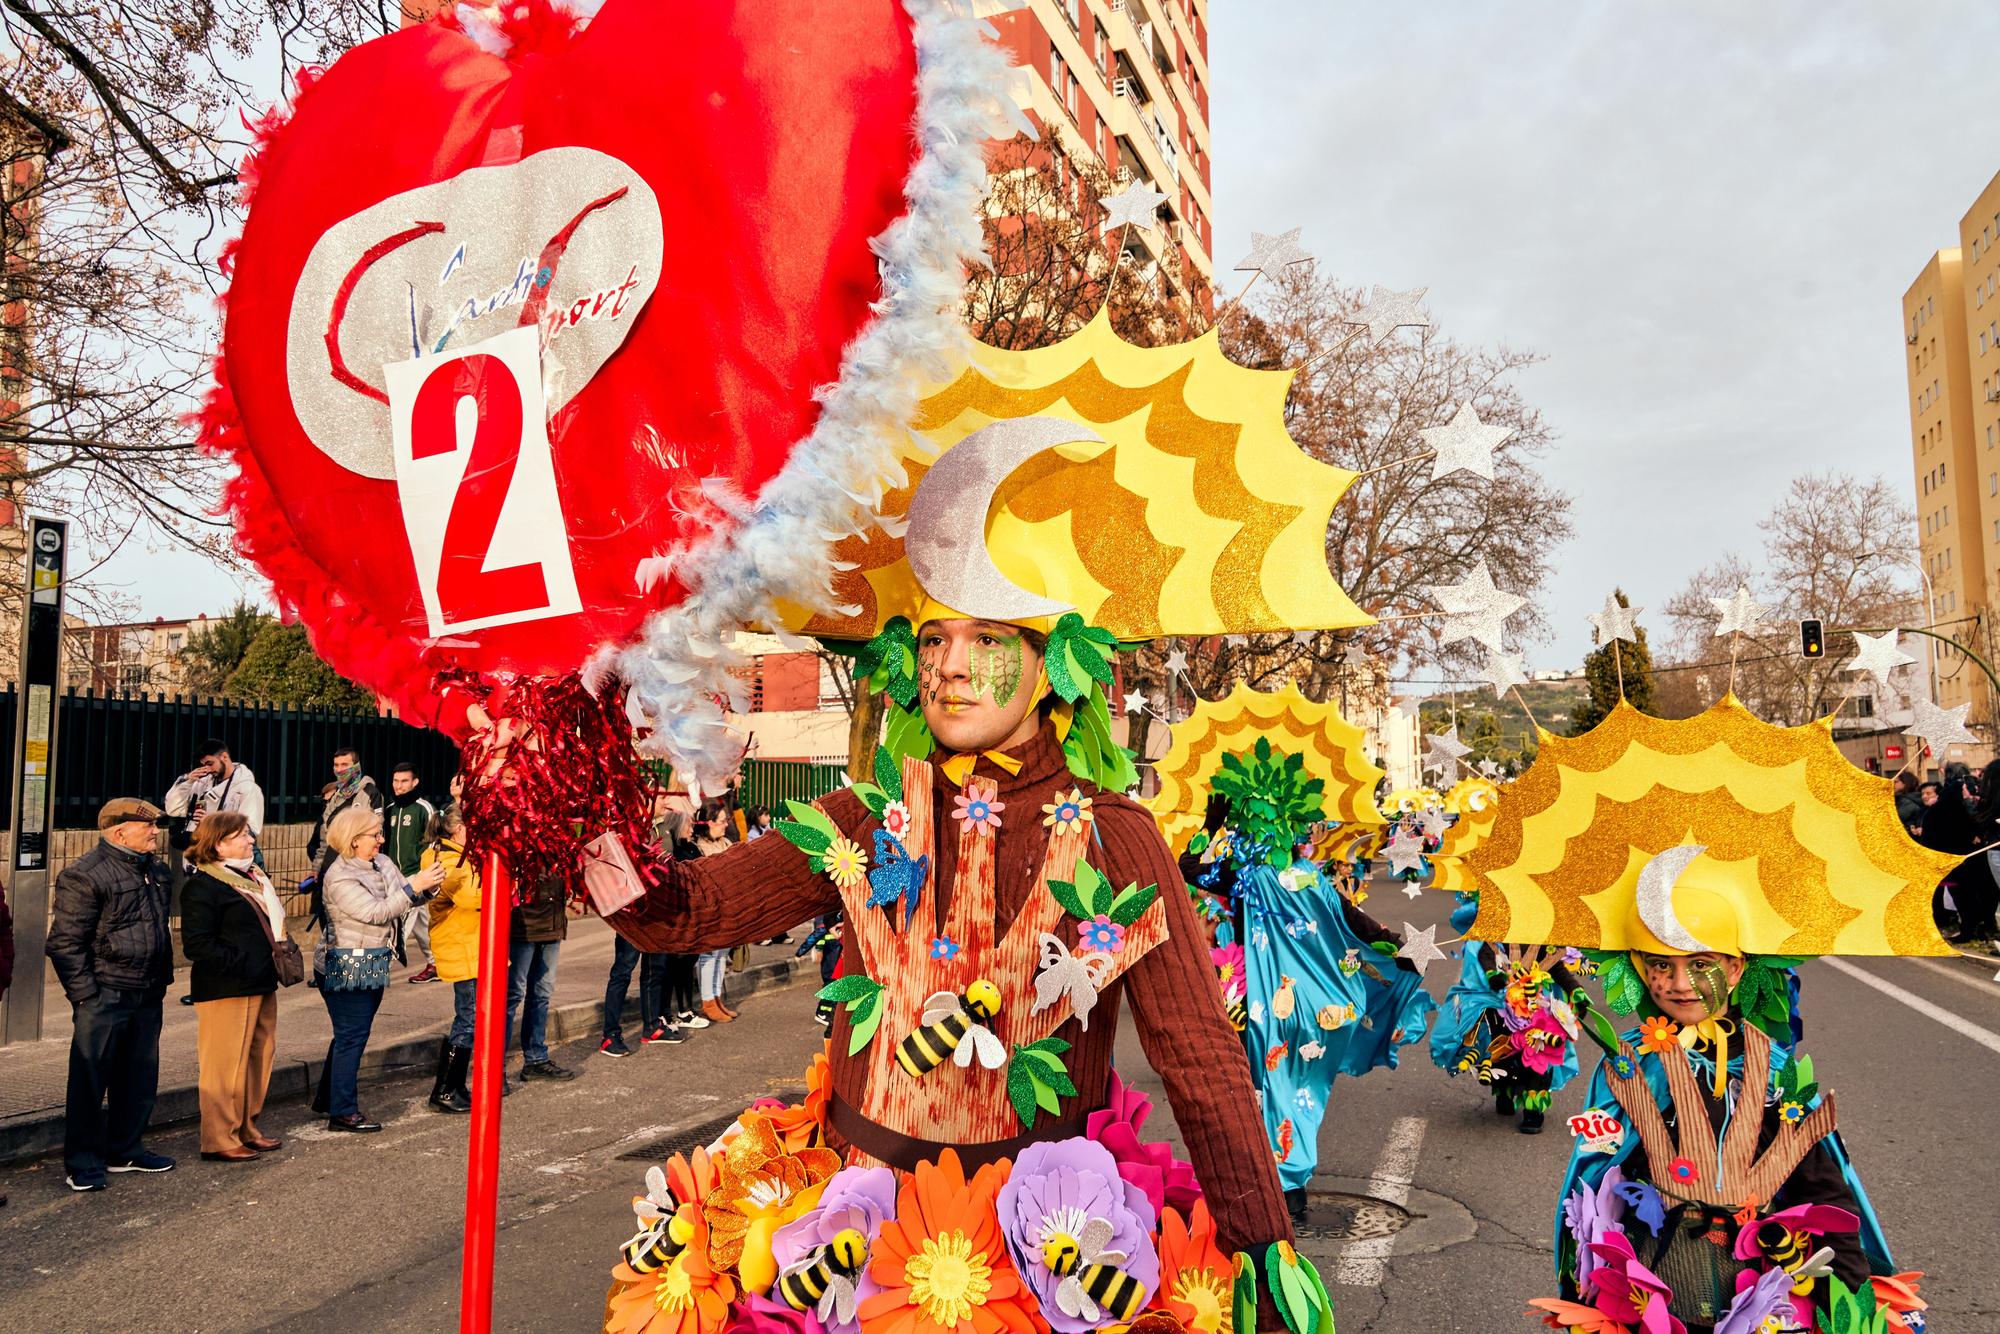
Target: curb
(33, 1137)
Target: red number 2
(466, 589)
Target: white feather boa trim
(781, 548)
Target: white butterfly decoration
(1065, 974)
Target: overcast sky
(1703, 215)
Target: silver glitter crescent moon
(946, 540)
(1655, 897)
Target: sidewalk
(33, 1076)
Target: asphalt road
(337, 1233)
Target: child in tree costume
(1003, 902)
(1697, 860)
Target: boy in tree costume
(1003, 899)
(1697, 860)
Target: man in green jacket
(406, 821)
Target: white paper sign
(478, 485)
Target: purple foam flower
(1757, 1300)
(1593, 1216)
(1058, 1186)
(862, 1198)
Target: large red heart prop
(681, 195)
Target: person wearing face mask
(233, 932)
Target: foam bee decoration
(955, 1026)
(1093, 1287)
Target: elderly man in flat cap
(112, 951)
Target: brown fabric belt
(904, 1152)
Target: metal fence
(771, 783)
(118, 745)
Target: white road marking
(1963, 1027)
(1365, 1263)
(1958, 975)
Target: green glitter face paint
(930, 672)
(996, 670)
(1710, 984)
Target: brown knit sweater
(764, 887)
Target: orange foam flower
(756, 1176)
(1196, 1278)
(942, 1262)
(689, 1296)
(804, 1126)
(1659, 1034)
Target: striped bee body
(954, 1024)
(1239, 1014)
(1116, 1292)
(824, 1281)
(656, 1247)
(928, 1047)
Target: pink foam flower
(1151, 1167)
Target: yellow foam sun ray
(1331, 747)
(1804, 849)
(1199, 514)
(1476, 802)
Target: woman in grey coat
(365, 898)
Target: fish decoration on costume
(1283, 1001)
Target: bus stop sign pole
(35, 772)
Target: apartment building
(1124, 83)
(1951, 342)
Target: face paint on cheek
(997, 670)
(930, 674)
(1710, 985)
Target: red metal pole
(489, 1063)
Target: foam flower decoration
(977, 813)
(1659, 1034)
(862, 1198)
(759, 1188)
(1166, 1181)
(1576, 1318)
(1196, 1278)
(689, 1296)
(1759, 1298)
(1591, 1215)
(1542, 1042)
(1228, 961)
(1817, 1220)
(1101, 933)
(1627, 1291)
(1792, 1111)
(1057, 1187)
(763, 1315)
(941, 1262)
(1681, 1170)
(804, 1126)
(896, 819)
(846, 863)
(1068, 813)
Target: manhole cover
(1337, 1215)
(697, 1136)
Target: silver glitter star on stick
(1464, 444)
(1442, 751)
(1474, 608)
(1739, 615)
(1270, 255)
(1878, 655)
(1388, 311)
(1614, 622)
(1137, 205)
(1940, 727)
(1420, 947)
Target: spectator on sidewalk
(711, 839)
(351, 785)
(653, 1025)
(406, 824)
(539, 924)
(454, 915)
(216, 783)
(1909, 805)
(109, 944)
(677, 985)
(231, 923)
(6, 944)
(365, 897)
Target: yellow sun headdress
(1331, 748)
(1718, 832)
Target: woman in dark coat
(1949, 826)
(230, 917)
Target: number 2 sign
(477, 485)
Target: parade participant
(1305, 976)
(1015, 901)
(1696, 860)
(1507, 1021)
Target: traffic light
(1812, 640)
